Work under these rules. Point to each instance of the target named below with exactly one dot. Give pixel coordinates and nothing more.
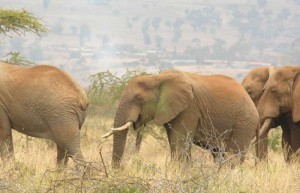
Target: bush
(106, 87)
(19, 22)
(274, 139)
(16, 59)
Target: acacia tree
(18, 22)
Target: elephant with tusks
(211, 111)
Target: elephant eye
(274, 91)
(139, 98)
(249, 91)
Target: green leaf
(20, 22)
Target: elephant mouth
(284, 109)
(138, 123)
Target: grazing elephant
(41, 101)
(281, 96)
(209, 111)
(254, 84)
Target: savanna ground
(151, 170)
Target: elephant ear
(175, 95)
(296, 99)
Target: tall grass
(151, 170)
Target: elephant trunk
(119, 137)
(119, 142)
(261, 140)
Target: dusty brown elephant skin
(41, 101)
(281, 95)
(194, 108)
(255, 81)
(254, 84)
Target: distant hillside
(91, 35)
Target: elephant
(255, 81)
(254, 84)
(281, 96)
(211, 111)
(41, 101)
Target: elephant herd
(211, 111)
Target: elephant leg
(180, 133)
(138, 141)
(238, 144)
(6, 142)
(179, 142)
(66, 150)
(286, 143)
(218, 155)
(295, 141)
(263, 147)
(68, 141)
(62, 157)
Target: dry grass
(149, 171)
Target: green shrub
(17, 59)
(274, 139)
(106, 87)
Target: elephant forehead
(253, 79)
(276, 81)
(141, 82)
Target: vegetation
(107, 87)
(149, 171)
(17, 59)
(19, 22)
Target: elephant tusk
(253, 140)
(113, 130)
(126, 126)
(263, 129)
(107, 134)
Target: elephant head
(281, 95)
(255, 81)
(159, 98)
(254, 84)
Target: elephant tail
(81, 113)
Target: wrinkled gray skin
(41, 101)
(193, 108)
(281, 98)
(254, 83)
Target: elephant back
(41, 89)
